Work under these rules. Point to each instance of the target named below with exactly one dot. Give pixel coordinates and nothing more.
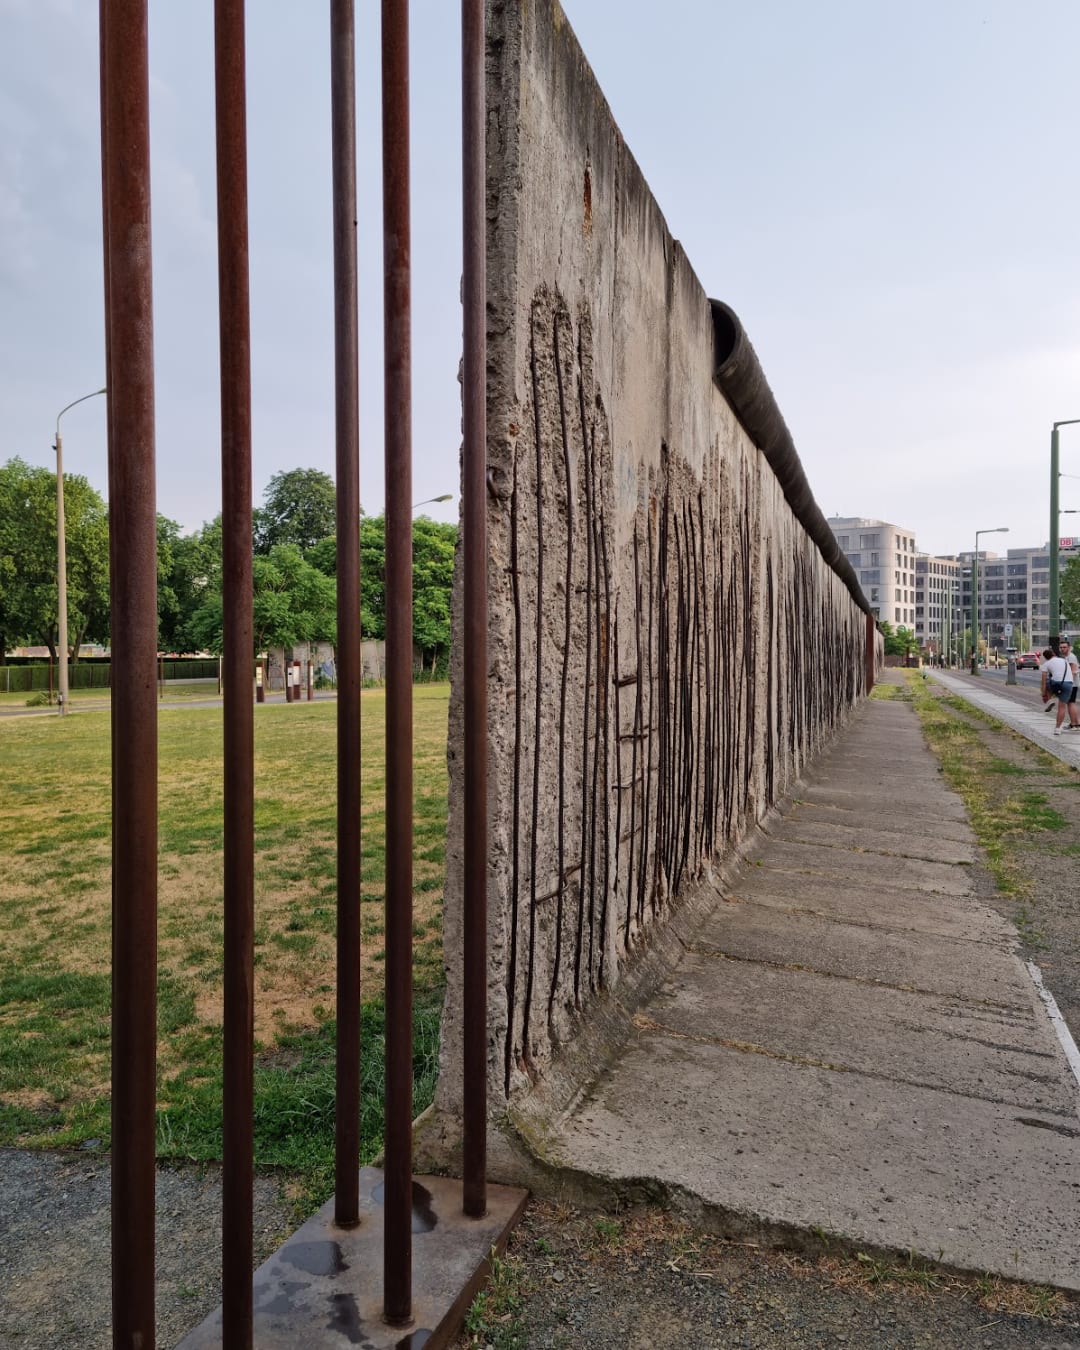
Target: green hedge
(95, 674)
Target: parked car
(1028, 661)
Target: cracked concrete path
(851, 1043)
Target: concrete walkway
(1019, 707)
(851, 1044)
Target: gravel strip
(645, 1281)
(55, 1261)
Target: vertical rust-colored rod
(397, 1251)
(238, 648)
(346, 410)
(871, 631)
(133, 589)
(474, 401)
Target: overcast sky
(887, 195)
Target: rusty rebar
(474, 405)
(346, 409)
(238, 641)
(397, 1274)
(133, 586)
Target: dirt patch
(631, 1282)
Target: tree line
(293, 569)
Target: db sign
(1067, 543)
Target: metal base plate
(324, 1286)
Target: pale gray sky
(886, 194)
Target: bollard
(1010, 676)
(260, 690)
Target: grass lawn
(55, 927)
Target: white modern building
(883, 557)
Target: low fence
(30, 679)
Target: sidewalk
(851, 1045)
(1018, 706)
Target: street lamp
(446, 497)
(61, 557)
(1001, 529)
(1054, 616)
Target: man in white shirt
(1061, 678)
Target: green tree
(433, 547)
(28, 581)
(433, 578)
(293, 602)
(373, 576)
(299, 508)
(898, 642)
(324, 555)
(189, 568)
(1070, 590)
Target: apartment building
(940, 613)
(883, 557)
(1014, 595)
(932, 594)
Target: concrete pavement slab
(878, 907)
(948, 1044)
(912, 874)
(932, 963)
(979, 1185)
(930, 825)
(851, 1043)
(797, 829)
(911, 803)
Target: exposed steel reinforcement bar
(238, 650)
(397, 356)
(133, 588)
(346, 408)
(474, 393)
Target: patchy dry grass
(1001, 818)
(55, 904)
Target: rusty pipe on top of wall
(738, 375)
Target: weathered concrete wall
(667, 644)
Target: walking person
(1060, 678)
(1051, 702)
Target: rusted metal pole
(474, 403)
(869, 669)
(133, 583)
(238, 634)
(346, 387)
(397, 1252)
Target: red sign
(1066, 543)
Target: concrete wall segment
(667, 646)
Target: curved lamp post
(1054, 615)
(61, 557)
(1001, 529)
